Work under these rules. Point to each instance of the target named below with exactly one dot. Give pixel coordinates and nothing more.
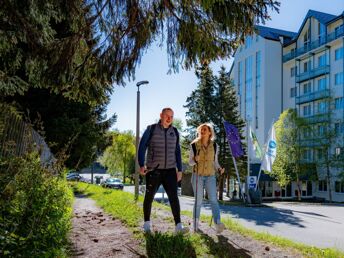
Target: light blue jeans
(209, 184)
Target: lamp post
(138, 137)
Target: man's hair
(166, 109)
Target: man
(161, 141)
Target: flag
(270, 153)
(233, 139)
(255, 144)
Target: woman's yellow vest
(206, 163)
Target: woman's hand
(221, 170)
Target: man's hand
(142, 171)
(179, 176)
(196, 158)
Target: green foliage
(120, 156)
(35, 209)
(78, 129)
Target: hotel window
(338, 78)
(307, 110)
(306, 40)
(339, 187)
(322, 84)
(338, 30)
(306, 66)
(307, 88)
(338, 53)
(323, 185)
(322, 60)
(321, 33)
(322, 107)
(321, 130)
(293, 71)
(248, 42)
(307, 154)
(293, 92)
(321, 154)
(338, 103)
(339, 128)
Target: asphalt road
(311, 224)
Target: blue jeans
(209, 183)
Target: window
(306, 40)
(323, 185)
(307, 110)
(307, 154)
(322, 60)
(322, 84)
(339, 187)
(248, 42)
(305, 67)
(322, 107)
(293, 92)
(321, 33)
(307, 88)
(292, 71)
(338, 103)
(338, 151)
(338, 30)
(306, 133)
(338, 78)
(321, 130)
(338, 53)
(339, 128)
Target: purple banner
(233, 139)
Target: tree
(226, 108)
(120, 156)
(79, 48)
(213, 101)
(289, 165)
(76, 128)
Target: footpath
(96, 234)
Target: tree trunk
(221, 187)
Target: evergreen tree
(226, 108)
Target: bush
(35, 209)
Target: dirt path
(96, 234)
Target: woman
(204, 158)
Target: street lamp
(138, 137)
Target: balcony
(312, 96)
(319, 118)
(313, 73)
(313, 142)
(314, 44)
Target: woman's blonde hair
(199, 128)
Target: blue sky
(171, 90)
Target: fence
(18, 137)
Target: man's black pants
(168, 178)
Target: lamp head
(141, 83)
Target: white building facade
(276, 70)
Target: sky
(171, 90)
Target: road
(311, 224)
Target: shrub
(35, 209)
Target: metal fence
(18, 137)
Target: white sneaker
(180, 229)
(147, 227)
(219, 227)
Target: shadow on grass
(224, 248)
(161, 245)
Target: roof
(274, 34)
(323, 18)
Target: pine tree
(226, 108)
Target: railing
(319, 118)
(313, 142)
(18, 137)
(313, 96)
(314, 44)
(313, 73)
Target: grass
(121, 205)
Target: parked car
(113, 183)
(161, 195)
(73, 176)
